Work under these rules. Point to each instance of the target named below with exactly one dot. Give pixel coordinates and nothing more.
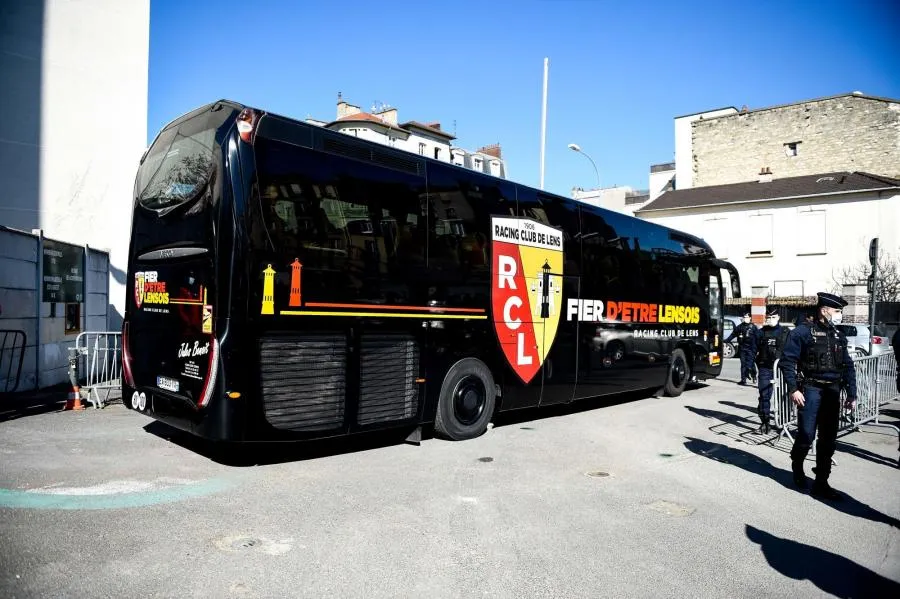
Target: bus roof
(647, 225)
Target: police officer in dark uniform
(766, 346)
(744, 333)
(815, 365)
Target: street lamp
(577, 148)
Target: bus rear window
(179, 165)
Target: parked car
(858, 340)
(730, 348)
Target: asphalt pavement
(649, 497)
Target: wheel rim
(469, 399)
(679, 372)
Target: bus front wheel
(679, 373)
(467, 400)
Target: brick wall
(848, 133)
(857, 309)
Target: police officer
(766, 346)
(744, 333)
(815, 365)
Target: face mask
(836, 318)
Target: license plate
(164, 382)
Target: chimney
(491, 150)
(345, 109)
(765, 175)
(388, 115)
(434, 125)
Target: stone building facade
(851, 132)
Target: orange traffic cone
(74, 400)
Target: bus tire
(679, 374)
(466, 402)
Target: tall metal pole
(544, 119)
(873, 288)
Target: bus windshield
(180, 164)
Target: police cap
(830, 300)
(772, 312)
(747, 315)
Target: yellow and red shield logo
(139, 280)
(526, 290)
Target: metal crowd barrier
(887, 378)
(875, 386)
(101, 353)
(12, 354)
(873, 390)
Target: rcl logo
(525, 290)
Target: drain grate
(597, 474)
(486, 459)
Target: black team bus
(289, 282)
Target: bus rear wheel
(467, 400)
(679, 374)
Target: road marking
(117, 494)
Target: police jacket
(767, 343)
(744, 332)
(817, 353)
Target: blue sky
(619, 71)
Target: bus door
(559, 371)
(716, 332)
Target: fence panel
(100, 364)
(12, 355)
(875, 386)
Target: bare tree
(888, 277)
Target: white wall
(90, 124)
(684, 153)
(850, 222)
(412, 145)
(658, 182)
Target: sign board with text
(63, 276)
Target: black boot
(799, 475)
(764, 425)
(823, 490)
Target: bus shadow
(523, 415)
(245, 455)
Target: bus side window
(399, 232)
(313, 213)
(610, 265)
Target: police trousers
(748, 367)
(765, 386)
(821, 410)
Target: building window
(421, 149)
(811, 229)
(476, 164)
(759, 233)
(437, 153)
(791, 148)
